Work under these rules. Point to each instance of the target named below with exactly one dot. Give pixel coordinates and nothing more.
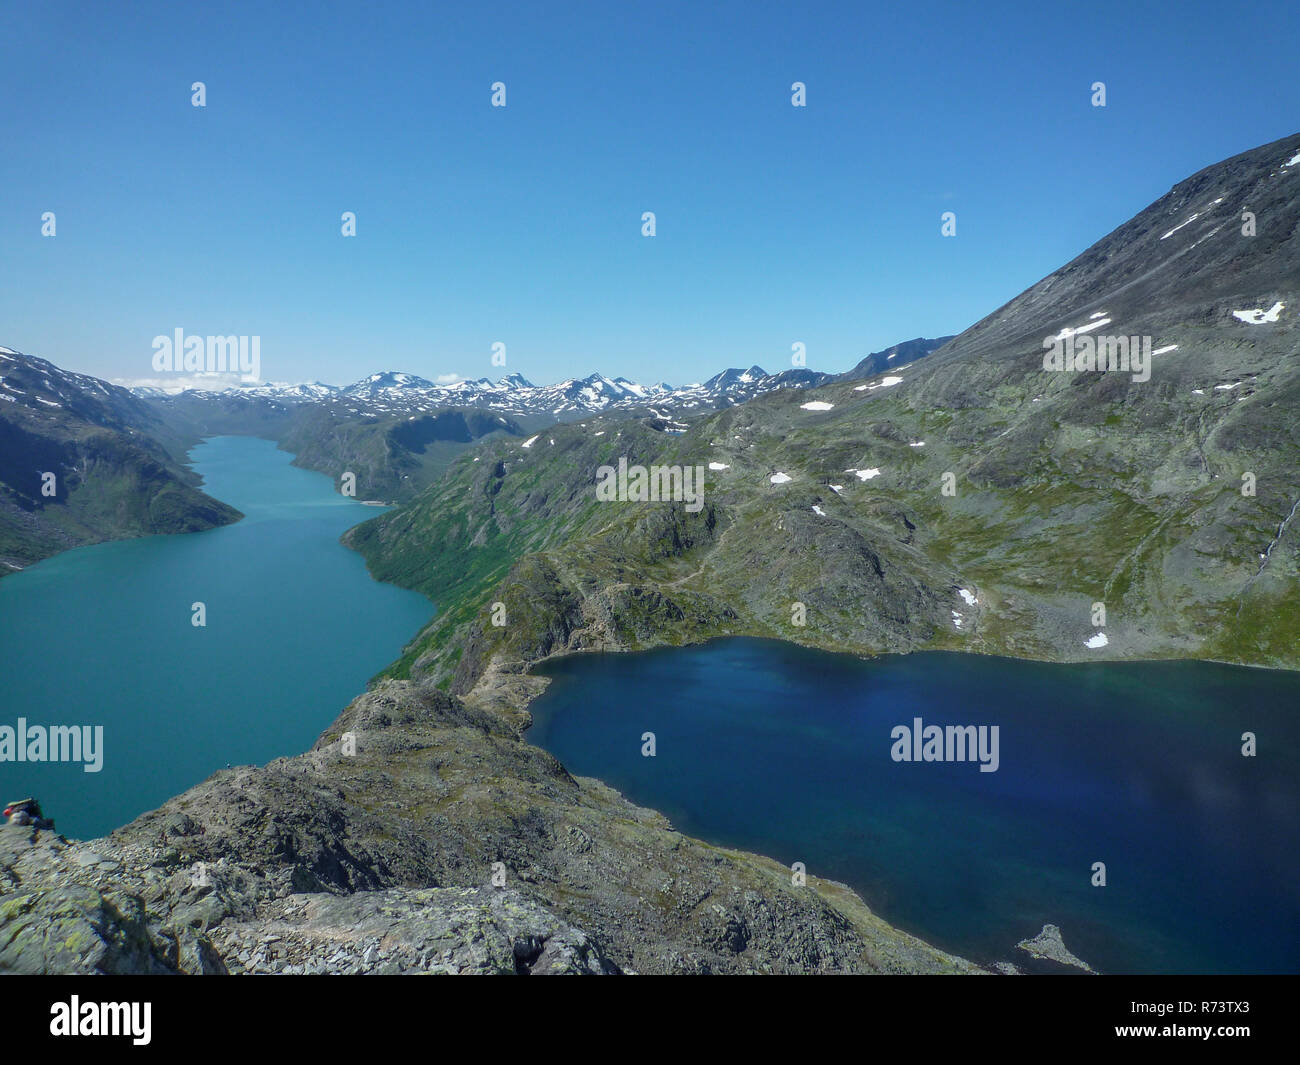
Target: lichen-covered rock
(444, 844)
(56, 923)
(399, 931)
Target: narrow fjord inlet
(103, 634)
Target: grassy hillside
(1067, 490)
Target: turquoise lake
(787, 751)
(102, 635)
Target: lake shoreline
(496, 685)
(1104, 726)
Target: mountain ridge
(1069, 490)
(393, 392)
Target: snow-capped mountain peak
(391, 392)
(388, 380)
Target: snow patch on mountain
(1180, 226)
(1087, 327)
(1259, 316)
(884, 382)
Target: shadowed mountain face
(113, 475)
(974, 501)
(894, 358)
(392, 457)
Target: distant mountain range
(118, 454)
(393, 393)
(390, 392)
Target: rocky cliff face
(384, 861)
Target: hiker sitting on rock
(28, 812)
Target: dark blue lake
(786, 751)
(102, 636)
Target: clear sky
(522, 224)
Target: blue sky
(522, 224)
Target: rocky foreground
(383, 862)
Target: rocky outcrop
(445, 843)
(1048, 944)
(73, 910)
